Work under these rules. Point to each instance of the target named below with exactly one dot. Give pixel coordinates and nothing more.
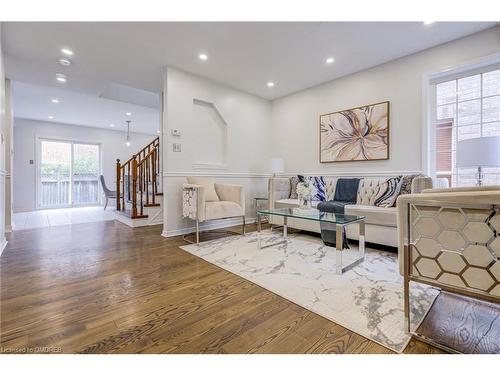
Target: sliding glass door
(68, 174)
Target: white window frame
(429, 81)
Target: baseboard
(209, 226)
(3, 245)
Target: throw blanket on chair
(346, 192)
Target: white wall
(295, 118)
(3, 241)
(248, 123)
(26, 133)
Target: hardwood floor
(107, 288)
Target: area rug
(367, 299)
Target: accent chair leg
(243, 224)
(106, 204)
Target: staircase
(137, 185)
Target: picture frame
(355, 134)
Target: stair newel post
(118, 168)
(141, 178)
(146, 164)
(134, 186)
(128, 187)
(153, 186)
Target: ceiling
(34, 102)
(244, 55)
(117, 66)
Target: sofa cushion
(222, 210)
(209, 186)
(385, 216)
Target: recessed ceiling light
(330, 60)
(55, 101)
(203, 56)
(270, 84)
(129, 113)
(112, 125)
(51, 117)
(67, 51)
(61, 77)
(428, 22)
(64, 62)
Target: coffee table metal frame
(339, 227)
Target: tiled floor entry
(61, 216)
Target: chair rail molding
(208, 173)
(350, 174)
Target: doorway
(67, 174)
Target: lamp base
(479, 176)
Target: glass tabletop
(312, 214)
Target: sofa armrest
(193, 202)
(278, 188)
(463, 189)
(232, 193)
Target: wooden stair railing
(137, 180)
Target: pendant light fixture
(128, 133)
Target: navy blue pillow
(319, 183)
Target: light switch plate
(177, 147)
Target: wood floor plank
(107, 288)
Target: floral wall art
(360, 133)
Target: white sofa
(381, 222)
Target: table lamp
(479, 153)
(277, 166)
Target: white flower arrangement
(306, 191)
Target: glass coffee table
(340, 221)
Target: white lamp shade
(277, 165)
(479, 152)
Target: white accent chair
(204, 200)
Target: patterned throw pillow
(293, 187)
(319, 184)
(389, 192)
(406, 183)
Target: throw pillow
(389, 192)
(406, 183)
(209, 185)
(319, 184)
(293, 187)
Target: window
(466, 107)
